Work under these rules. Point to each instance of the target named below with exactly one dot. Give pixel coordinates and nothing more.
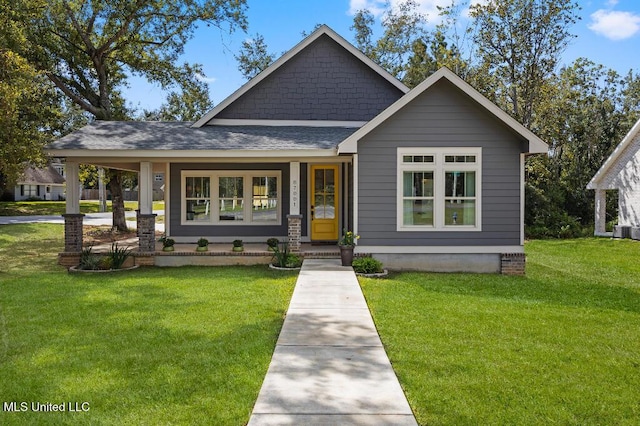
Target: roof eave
(595, 182)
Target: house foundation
(512, 263)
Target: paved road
(95, 219)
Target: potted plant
(237, 245)
(347, 243)
(167, 244)
(203, 244)
(272, 244)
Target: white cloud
(615, 25)
(205, 79)
(374, 6)
(377, 7)
(612, 3)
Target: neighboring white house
(620, 172)
(44, 184)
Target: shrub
(237, 243)
(272, 242)
(282, 258)
(167, 242)
(89, 260)
(118, 255)
(203, 242)
(367, 265)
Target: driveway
(94, 219)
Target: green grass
(26, 208)
(151, 346)
(559, 346)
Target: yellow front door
(324, 203)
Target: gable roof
(320, 32)
(45, 176)
(614, 157)
(536, 145)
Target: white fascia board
(596, 181)
(199, 154)
(438, 249)
(536, 145)
(324, 29)
(285, 123)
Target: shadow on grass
(138, 351)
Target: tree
(519, 43)
(29, 116)
(403, 26)
(89, 49)
(188, 104)
(254, 57)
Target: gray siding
(322, 82)
(442, 116)
(231, 231)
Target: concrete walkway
(329, 366)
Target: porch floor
(307, 250)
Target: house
(325, 140)
(40, 184)
(621, 172)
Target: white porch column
(72, 218)
(73, 188)
(600, 212)
(294, 187)
(146, 218)
(145, 187)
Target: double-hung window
(231, 197)
(439, 189)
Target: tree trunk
(117, 201)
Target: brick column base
(512, 263)
(146, 233)
(294, 228)
(73, 232)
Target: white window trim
(439, 167)
(247, 196)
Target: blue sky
(608, 34)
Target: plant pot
(346, 255)
(238, 249)
(199, 248)
(169, 248)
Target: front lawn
(559, 346)
(152, 346)
(28, 208)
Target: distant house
(43, 184)
(621, 172)
(325, 140)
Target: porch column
(72, 217)
(600, 212)
(294, 218)
(146, 219)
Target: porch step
(322, 255)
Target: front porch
(218, 254)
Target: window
(231, 197)
(438, 189)
(158, 177)
(30, 191)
